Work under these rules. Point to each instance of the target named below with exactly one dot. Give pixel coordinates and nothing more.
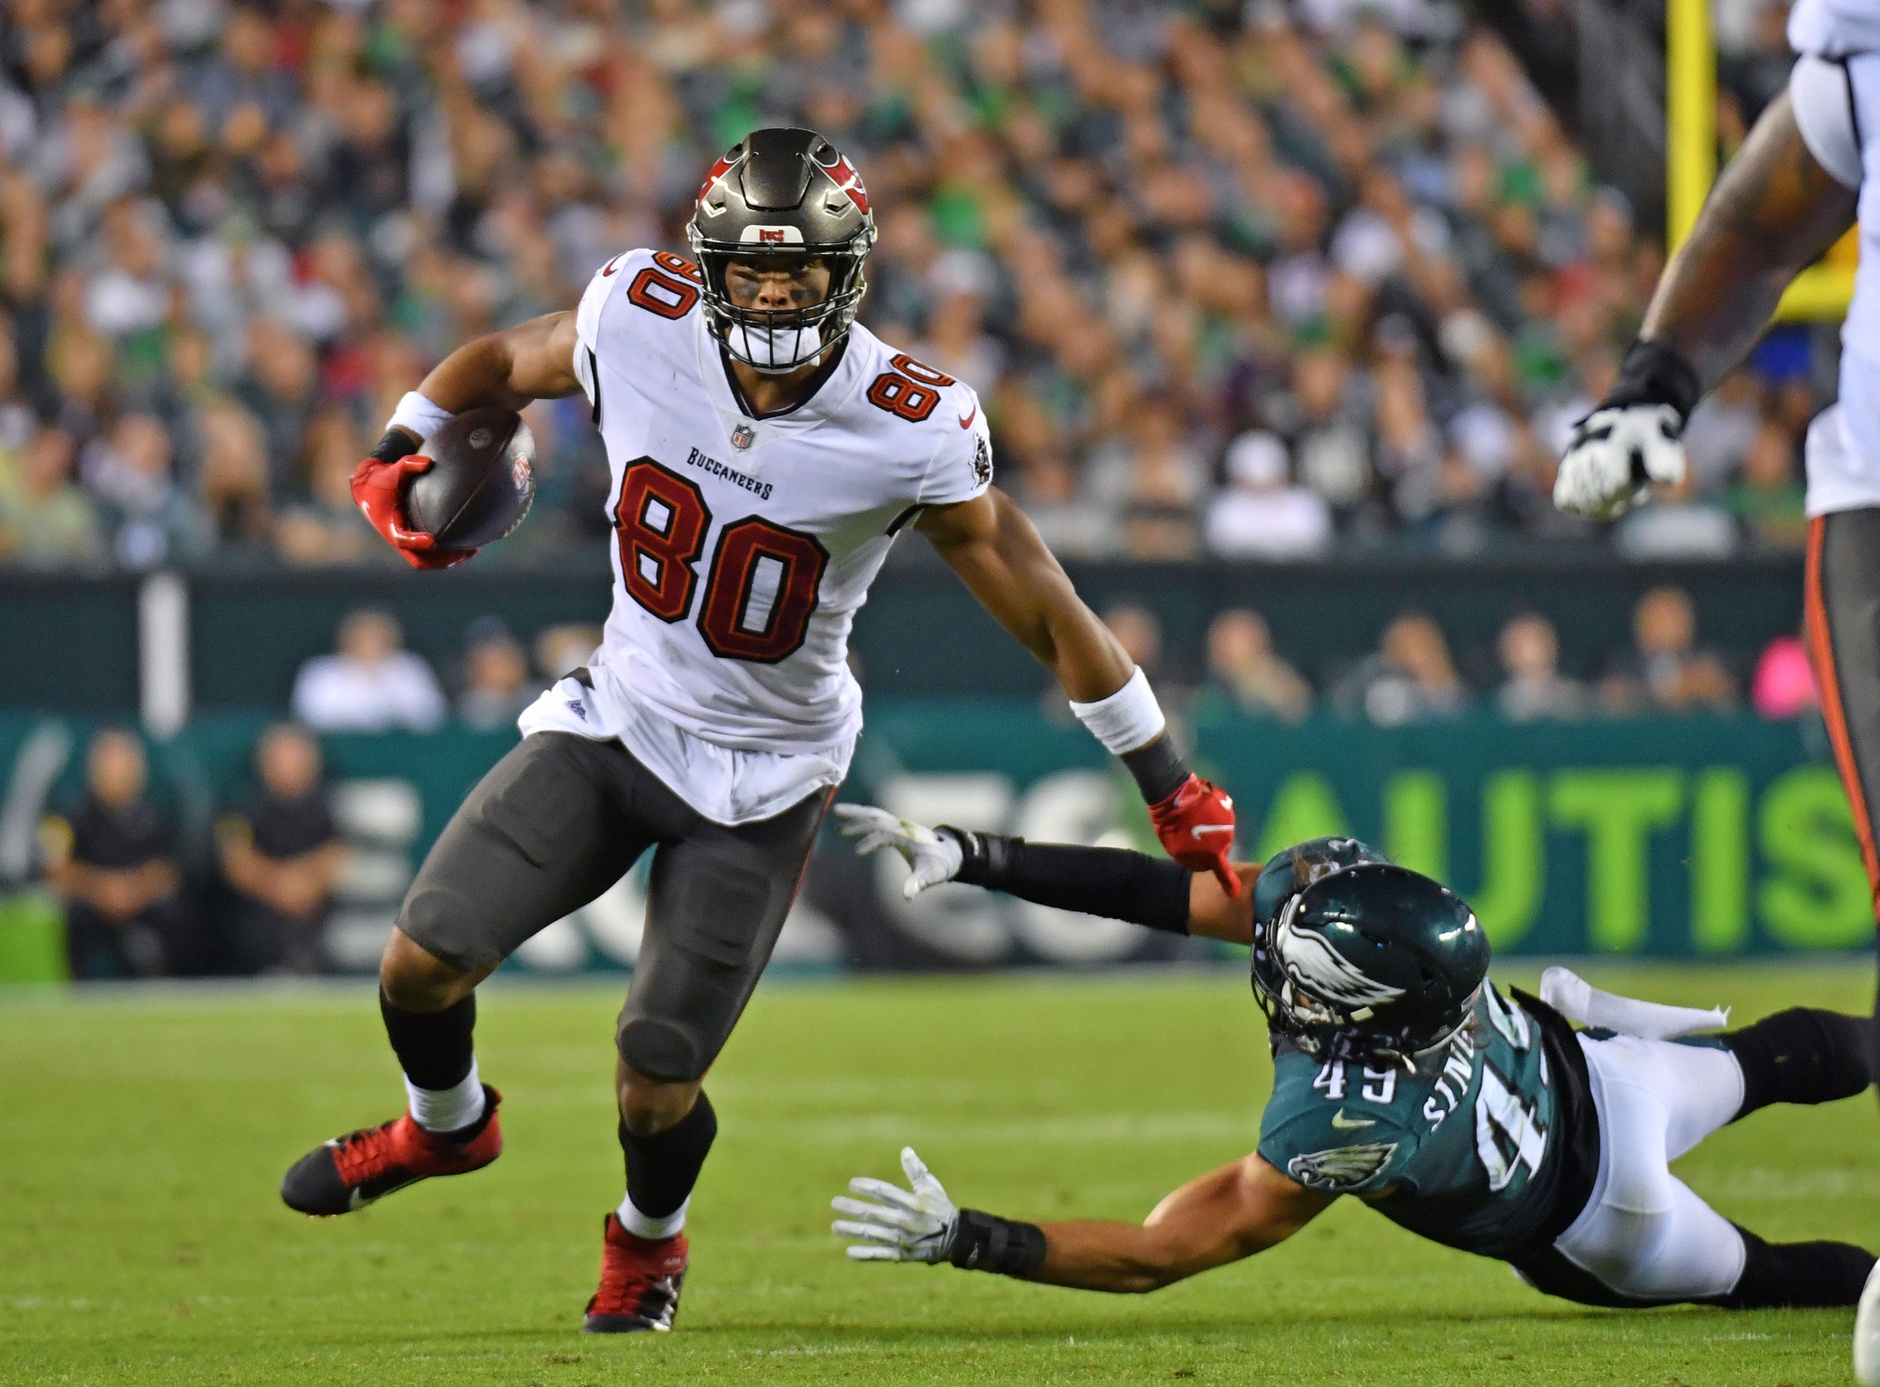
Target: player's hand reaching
(1196, 827)
(1615, 456)
(934, 857)
(897, 1225)
(376, 483)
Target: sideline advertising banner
(1662, 837)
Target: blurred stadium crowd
(1243, 282)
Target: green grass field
(141, 1239)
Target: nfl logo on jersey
(743, 436)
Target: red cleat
(640, 1283)
(350, 1172)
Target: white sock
(447, 1109)
(652, 1229)
(1578, 1000)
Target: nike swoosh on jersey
(1343, 1123)
(967, 422)
(612, 265)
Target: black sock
(1800, 1275)
(1802, 1055)
(662, 1168)
(433, 1048)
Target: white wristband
(1128, 720)
(419, 415)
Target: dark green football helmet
(1369, 962)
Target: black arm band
(395, 445)
(985, 1242)
(1158, 768)
(1654, 374)
(1113, 882)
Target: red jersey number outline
(661, 519)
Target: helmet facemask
(777, 341)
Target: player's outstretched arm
(1220, 1217)
(1775, 210)
(997, 552)
(1113, 882)
(507, 369)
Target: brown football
(480, 482)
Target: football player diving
(766, 450)
(1402, 1075)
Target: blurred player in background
(765, 451)
(1403, 1076)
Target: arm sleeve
(961, 466)
(1823, 101)
(1113, 882)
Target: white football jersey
(1835, 93)
(744, 547)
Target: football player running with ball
(766, 451)
(1403, 1076)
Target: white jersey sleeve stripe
(1823, 100)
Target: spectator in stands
(326, 528)
(1534, 688)
(152, 518)
(496, 684)
(1667, 672)
(371, 683)
(1246, 675)
(232, 475)
(114, 861)
(1767, 499)
(1783, 685)
(281, 856)
(1261, 514)
(1409, 679)
(45, 520)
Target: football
(481, 480)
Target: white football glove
(934, 858)
(897, 1225)
(1615, 455)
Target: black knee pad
(1802, 1055)
(660, 1050)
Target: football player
(1793, 189)
(1789, 193)
(766, 450)
(1405, 1077)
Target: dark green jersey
(1477, 1148)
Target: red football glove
(375, 486)
(1196, 827)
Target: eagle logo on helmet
(1321, 972)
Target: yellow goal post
(1820, 292)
